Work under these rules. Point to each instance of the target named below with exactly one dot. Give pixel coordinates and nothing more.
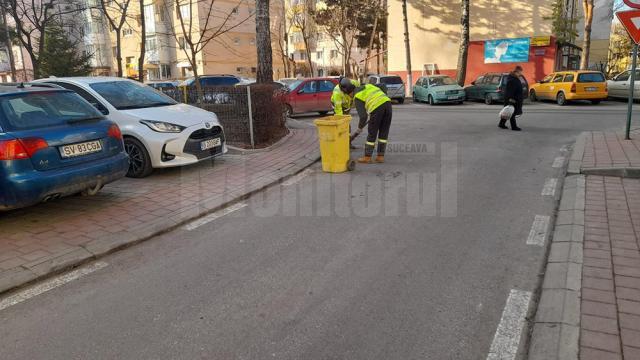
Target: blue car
(54, 143)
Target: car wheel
(532, 96)
(595, 102)
(401, 101)
(288, 111)
(561, 99)
(431, 101)
(488, 99)
(139, 159)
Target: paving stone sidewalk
(606, 153)
(50, 237)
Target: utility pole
(7, 44)
(407, 47)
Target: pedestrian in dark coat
(514, 96)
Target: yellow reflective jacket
(342, 102)
(372, 96)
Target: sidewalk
(54, 236)
(590, 310)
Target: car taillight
(17, 149)
(499, 89)
(573, 87)
(114, 132)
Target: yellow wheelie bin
(333, 135)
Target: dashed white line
(50, 284)
(297, 178)
(538, 233)
(558, 162)
(507, 338)
(550, 186)
(213, 216)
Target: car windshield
(440, 81)
(125, 95)
(35, 110)
(590, 77)
(391, 80)
(294, 85)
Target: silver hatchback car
(393, 83)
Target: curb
(234, 150)
(103, 246)
(624, 172)
(575, 161)
(556, 329)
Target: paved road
(309, 270)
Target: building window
(235, 11)
(185, 11)
(181, 43)
(165, 71)
(254, 70)
(252, 41)
(89, 50)
(319, 55)
(334, 54)
(149, 19)
(151, 44)
(236, 41)
(127, 32)
(303, 56)
(114, 52)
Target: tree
(372, 28)
(620, 47)
(115, 11)
(263, 43)
(143, 42)
(32, 19)
(463, 52)
(301, 19)
(563, 24)
(194, 32)
(60, 56)
(587, 6)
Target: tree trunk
(368, 54)
(307, 51)
(587, 6)
(143, 42)
(407, 46)
(263, 42)
(7, 44)
(463, 53)
(119, 53)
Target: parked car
(53, 143)
(287, 81)
(169, 88)
(620, 85)
(310, 95)
(393, 86)
(437, 89)
(158, 131)
(212, 81)
(566, 86)
(489, 88)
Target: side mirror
(473, 83)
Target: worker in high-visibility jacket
(374, 109)
(341, 98)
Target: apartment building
(503, 34)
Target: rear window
(590, 77)
(29, 111)
(219, 81)
(391, 80)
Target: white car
(158, 132)
(619, 86)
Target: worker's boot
(382, 147)
(368, 151)
(379, 159)
(365, 159)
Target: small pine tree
(564, 26)
(61, 57)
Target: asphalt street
(411, 259)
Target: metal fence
(252, 116)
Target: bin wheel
(351, 165)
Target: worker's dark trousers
(379, 124)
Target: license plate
(591, 89)
(453, 97)
(68, 151)
(209, 144)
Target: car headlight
(163, 127)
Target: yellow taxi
(566, 86)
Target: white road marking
(550, 186)
(297, 178)
(558, 162)
(538, 233)
(213, 216)
(50, 284)
(507, 339)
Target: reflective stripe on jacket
(372, 96)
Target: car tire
(595, 102)
(139, 159)
(401, 101)
(430, 100)
(561, 99)
(488, 99)
(288, 111)
(532, 96)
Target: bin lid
(333, 120)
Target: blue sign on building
(506, 50)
